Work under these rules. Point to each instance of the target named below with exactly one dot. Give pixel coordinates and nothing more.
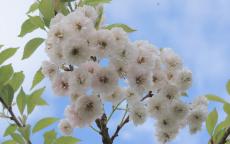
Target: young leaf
(6, 54)
(25, 132)
(27, 27)
(7, 94)
(10, 129)
(21, 101)
(67, 140)
(9, 142)
(43, 123)
(1, 46)
(37, 78)
(17, 138)
(224, 124)
(211, 97)
(33, 7)
(47, 10)
(50, 137)
(217, 137)
(228, 87)
(227, 108)
(211, 121)
(5, 73)
(123, 26)
(64, 9)
(37, 21)
(31, 46)
(95, 2)
(35, 99)
(17, 80)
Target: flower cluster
(77, 50)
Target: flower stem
(114, 109)
(94, 129)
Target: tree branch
(119, 127)
(122, 124)
(224, 138)
(104, 131)
(12, 115)
(150, 94)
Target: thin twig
(150, 94)
(119, 127)
(114, 109)
(126, 111)
(94, 129)
(126, 120)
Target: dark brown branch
(119, 127)
(12, 115)
(104, 131)
(224, 138)
(150, 94)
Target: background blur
(198, 30)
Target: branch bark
(119, 127)
(104, 131)
(13, 116)
(224, 138)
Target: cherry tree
(100, 69)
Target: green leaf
(33, 7)
(43, 123)
(17, 138)
(95, 2)
(37, 21)
(35, 99)
(67, 140)
(211, 121)
(7, 94)
(217, 137)
(25, 132)
(67, 0)
(227, 108)
(21, 101)
(1, 46)
(64, 9)
(17, 80)
(27, 27)
(50, 137)
(9, 142)
(211, 97)
(123, 26)
(5, 73)
(47, 10)
(228, 87)
(6, 54)
(99, 18)
(224, 124)
(31, 46)
(10, 129)
(38, 77)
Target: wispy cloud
(197, 30)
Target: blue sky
(198, 30)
